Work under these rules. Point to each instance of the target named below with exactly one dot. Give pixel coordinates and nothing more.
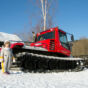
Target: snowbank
(47, 80)
(6, 36)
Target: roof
(6, 36)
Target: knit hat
(7, 41)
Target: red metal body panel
(0, 48)
(16, 44)
(58, 48)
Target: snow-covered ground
(45, 80)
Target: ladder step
(16, 69)
(13, 66)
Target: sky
(20, 15)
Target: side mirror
(72, 38)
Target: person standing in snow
(34, 35)
(6, 57)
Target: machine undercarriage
(38, 60)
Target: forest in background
(80, 47)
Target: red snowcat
(51, 51)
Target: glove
(14, 60)
(1, 60)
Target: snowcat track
(31, 62)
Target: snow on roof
(6, 36)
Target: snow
(6, 36)
(45, 80)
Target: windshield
(63, 40)
(49, 35)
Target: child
(7, 56)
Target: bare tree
(43, 18)
(47, 10)
(45, 7)
(25, 36)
